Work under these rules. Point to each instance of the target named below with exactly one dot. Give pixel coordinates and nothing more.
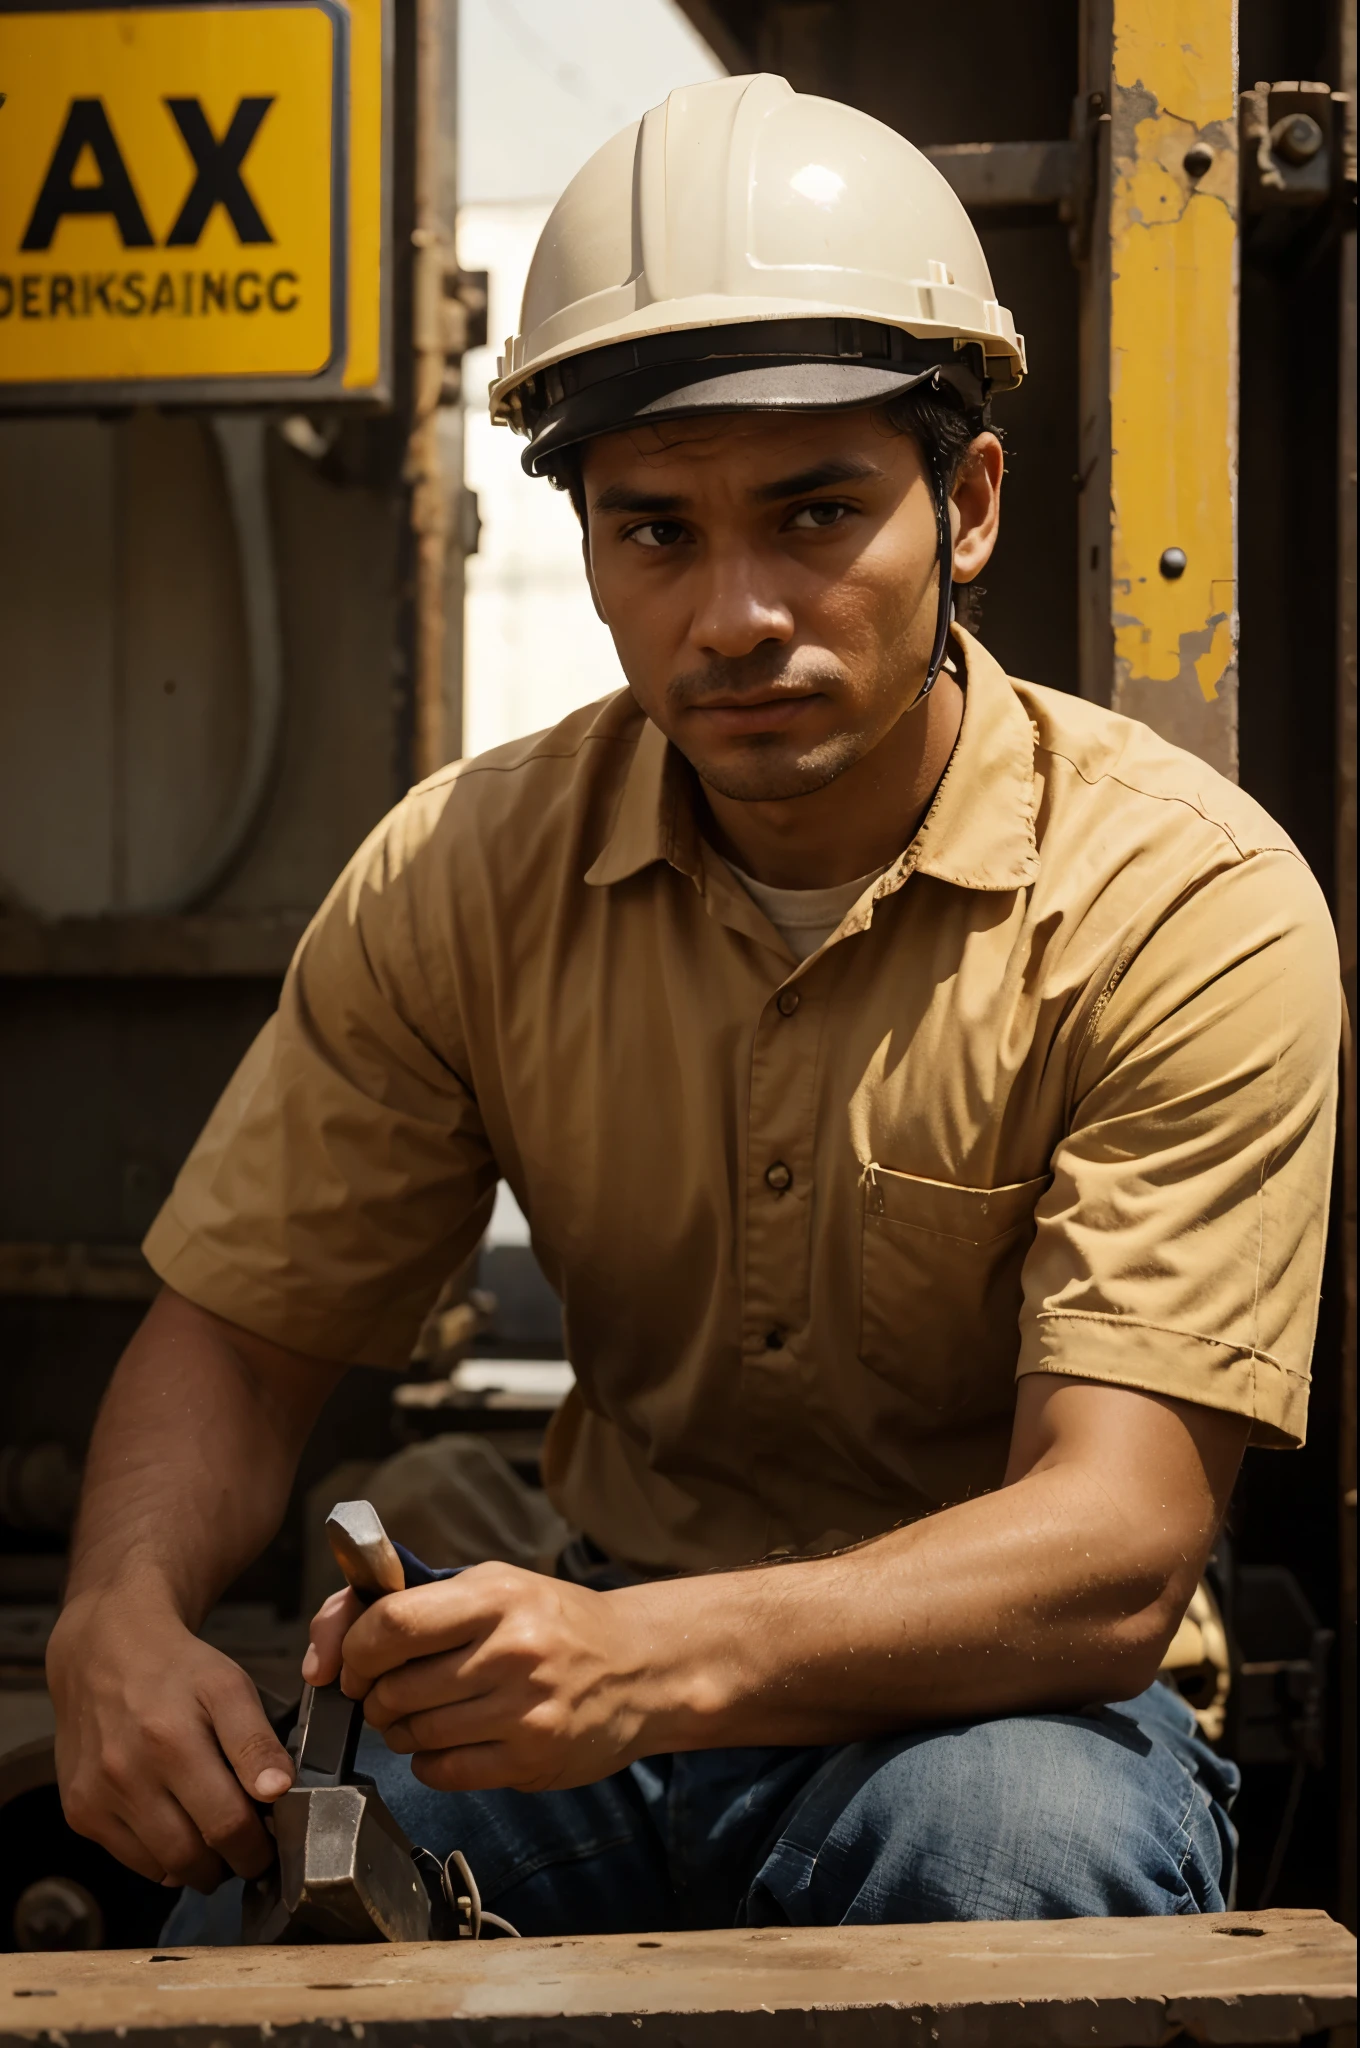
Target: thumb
(249, 1744)
(331, 1623)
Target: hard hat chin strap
(945, 555)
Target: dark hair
(943, 428)
(938, 420)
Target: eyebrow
(618, 498)
(837, 470)
(843, 469)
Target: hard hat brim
(657, 395)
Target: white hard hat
(748, 247)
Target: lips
(762, 714)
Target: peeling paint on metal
(1173, 367)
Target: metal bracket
(1292, 137)
(1298, 172)
(462, 322)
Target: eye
(657, 533)
(817, 517)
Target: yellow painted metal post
(1159, 349)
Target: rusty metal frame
(437, 595)
(1158, 427)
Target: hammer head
(363, 1549)
(346, 1872)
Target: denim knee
(1043, 1816)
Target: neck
(854, 825)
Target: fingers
(420, 1623)
(330, 1625)
(480, 1767)
(427, 1682)
(150, 1832)
(120, 1841)
(251, 1747)
(447, 1727)
(199, 1816)
(144, 1763)
(171, 1837)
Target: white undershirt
(805, 918)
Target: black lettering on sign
(139, 294)
(87, 127)
(218, 163)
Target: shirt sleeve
(345, 1172)
(1179, 1247)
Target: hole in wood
(649, 1944)
(1255, 1932)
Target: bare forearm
(1015, 1600)
(192, 1458)
(1061, 1588)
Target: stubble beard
(771, 767)
(765, 772)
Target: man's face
(770, 584)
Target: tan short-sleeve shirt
(1056, 1097)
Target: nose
(735, 610)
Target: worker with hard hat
(919, 1085)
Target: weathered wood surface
(1230, 1978)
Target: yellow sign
(191, 201)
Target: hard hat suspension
(944, 616)
(812, 365)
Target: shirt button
(774, 1340)
(778, 1177)
(787, 1001)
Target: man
(920, 1087)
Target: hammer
(345, 1870)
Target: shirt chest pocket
(940, 1290)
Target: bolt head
(1199, 158)
(1172, 563)
(1297, 138)
(58, 1913)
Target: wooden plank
(1239, 1977)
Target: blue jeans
(1119, 1810)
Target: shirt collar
(655, 818)
(979, 830)
(977, 834)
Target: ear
(975, 507)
